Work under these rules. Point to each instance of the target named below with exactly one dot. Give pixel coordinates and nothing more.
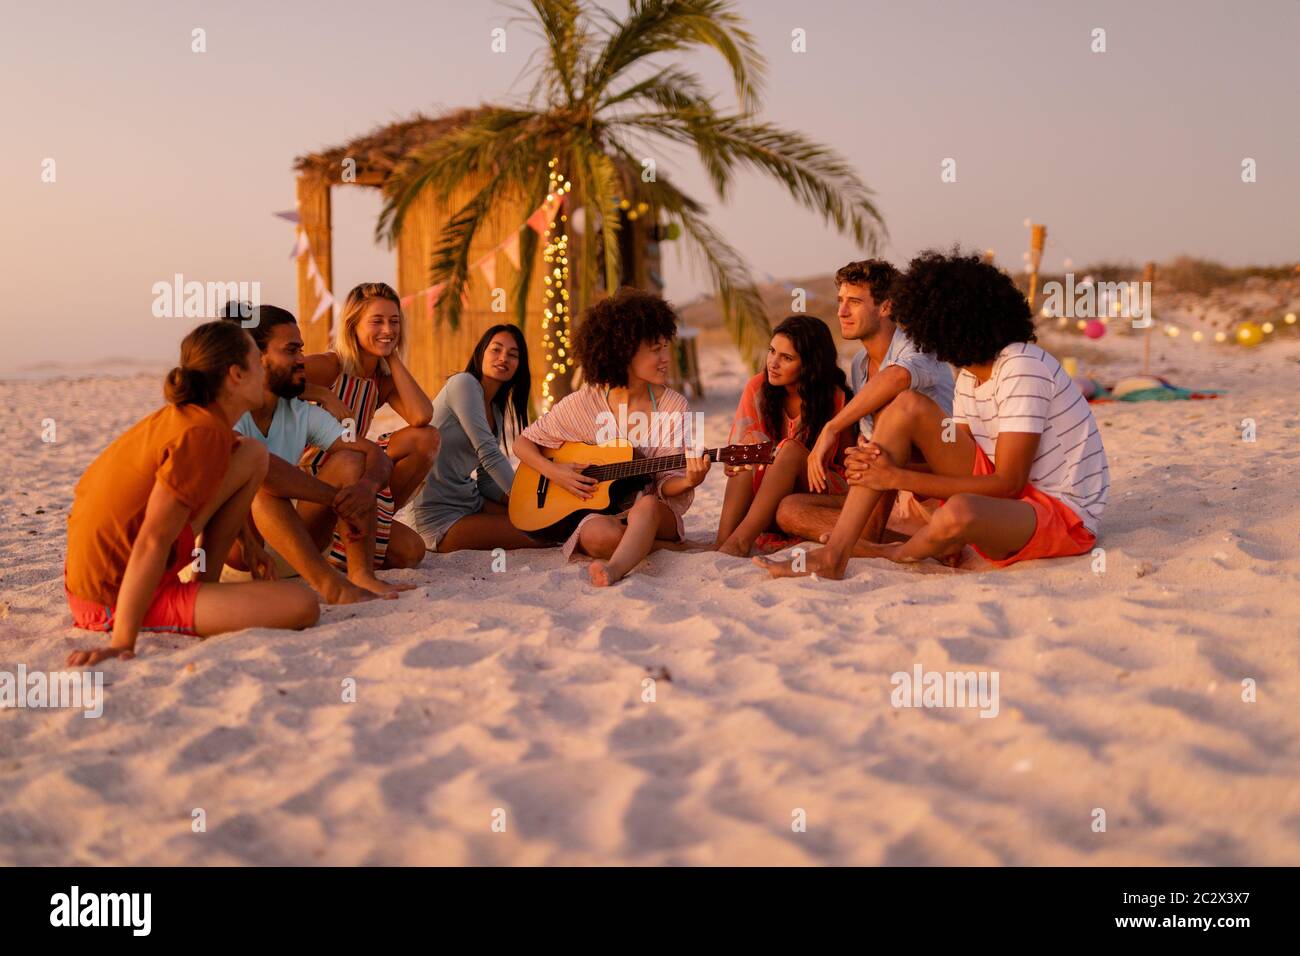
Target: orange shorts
(1059, 532)
(172, 607)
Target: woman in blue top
(457, 512)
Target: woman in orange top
(787, 404)
(178, 477)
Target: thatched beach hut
(436, 350)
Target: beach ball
(1094, 329)
(1249, 334)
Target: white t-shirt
(1030, 392)
(931, 377)
(295, 426)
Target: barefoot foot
(342, 591)
(602, 575)
(736, 546)
(377, 585)
(823, 562)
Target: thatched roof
(378, 152)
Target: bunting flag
(511, 248)
(540, 221)
(326, 300)
(432, 295)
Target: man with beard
(341, 495)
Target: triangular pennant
(312, 271)
(290, 214)
(325, 302)
(511, 248)
(300, 245)
(407, 300)
(488, 266)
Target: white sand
(522, 690)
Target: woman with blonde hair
(364, 371)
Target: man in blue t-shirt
(887, 365)
(295, 512)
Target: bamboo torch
(1037, 239)
(1148, 275)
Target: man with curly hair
(623, 348)
(1020, 462)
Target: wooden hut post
(314, 212)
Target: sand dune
(518, 696)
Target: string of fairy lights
(555, 315)
(1246, 333)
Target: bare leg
(735, 503)
(910, 419)
(487, 530)
(406, 549)
(780, 478)
(285, 531)
(649, 519)
(220, 608)
(997, 526)
(412, 450)
(227, 511)
(342, 469)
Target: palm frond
(565, 42)
(817, 176)
(662, 26)
(492, 138)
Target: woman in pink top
(622, 346)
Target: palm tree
(597, 103)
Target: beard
(282, 385)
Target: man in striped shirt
(1020, 461)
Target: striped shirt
(1030, 392)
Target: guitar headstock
(736, 455)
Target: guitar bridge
(542, 484)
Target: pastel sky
(172, 161)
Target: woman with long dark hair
(787, 404)
(457, 512)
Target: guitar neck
(643, 466)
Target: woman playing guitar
(622, 346)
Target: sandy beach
(518, 697)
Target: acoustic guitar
(544, 509)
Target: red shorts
(172, 607)
(1059, 532)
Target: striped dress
(361, 396)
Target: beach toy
(1071, 365)
(1094, 329)
(1249, 334)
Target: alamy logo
(923, 688)
(655, 430)
(103, 909)
(79, 690)
(1093, 300)
(179, 299)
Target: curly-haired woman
(788, 404)
(1023, 472)
(622, 347)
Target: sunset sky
(170, 161)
